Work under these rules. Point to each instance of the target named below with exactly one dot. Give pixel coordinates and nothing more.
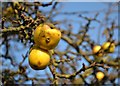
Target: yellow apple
(38, 58)
(100, 76)
(112, 48)
(97, 50)
(108, 47)
(46, 37)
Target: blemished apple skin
(39, 59)
(46, 37)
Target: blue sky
(68, 7)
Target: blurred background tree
(83, 25)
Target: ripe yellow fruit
(97, 51)
(108, 47)
(46, 37)
(38, 58)
(112, 48)
(100, 75)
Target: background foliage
(73, 60)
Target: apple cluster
(46, 38)
(107, 47)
